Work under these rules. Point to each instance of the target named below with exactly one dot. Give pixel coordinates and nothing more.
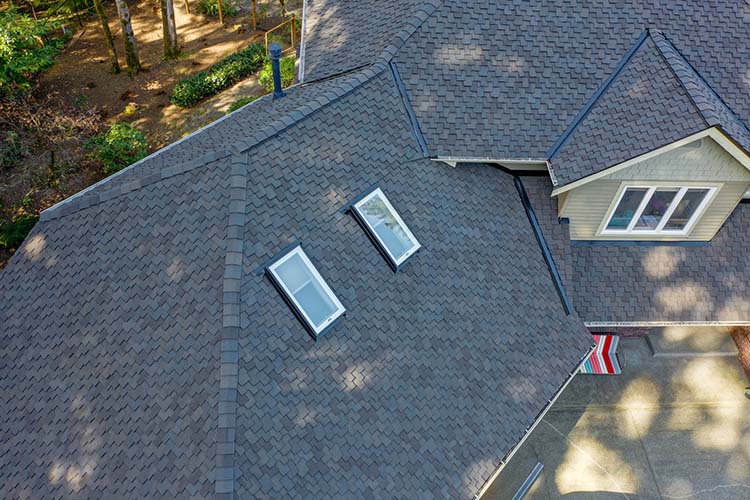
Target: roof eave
(715, 133)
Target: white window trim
(632, 230)
(316, 275)
(415, 244)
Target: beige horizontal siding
(587, 207)
(707, 162)
(704, 161)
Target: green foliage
(12, 150)
(13, 233)
(241, 102)
(119, 147)
(221, 75)
(24, 49)
(286, 65)
(211, 8)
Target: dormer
(655, 155)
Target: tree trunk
(115, 66)
(131, 46)
(171, 49)
(254, 12)
(187, 7)
(221, 12)
(283, 9)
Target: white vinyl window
(388, 229)
(658, 210)
(306, 290)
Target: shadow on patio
(667, 428)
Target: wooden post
(254, 13)
(294, 29)
(221, 12)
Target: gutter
(539, 163)
(641, 324)
(528, 432)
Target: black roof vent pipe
(274, 50)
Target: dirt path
(81, 73)
(77, 97)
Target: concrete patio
(672, 426)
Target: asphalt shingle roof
(653, 99)
(342, 36)
(410, 389)
(144, 355)
(634, 283)
(643, 108)
(108, 359)
(505, 79)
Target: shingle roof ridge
(410, 26)
(349, 82)
(105, 190)
(578, 119)
(707, 101)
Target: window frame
(651, 188)
(395, 263)
(292, 301)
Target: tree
(254, 12)
(171, 49)
(282, 3)
(24, 49)
(131, 46)
(114, 64)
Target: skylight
(386, 228)
(304, 289)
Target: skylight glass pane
(627, 207)
(306, 289)
(655, 209)
(314, 300)
(686, 209)
(387, 227)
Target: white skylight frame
(289, 295)
(631, 230)
(395, 262)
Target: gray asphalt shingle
(143, 355)
(632, 283)
(505, 79)
(435, 371)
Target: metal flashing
(416, 131)
(567, 305)
(590, 104)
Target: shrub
(286, 65)
(119, 147)
(24, 49)
(241, 102)
(12, 150)
(211, 8)
(13, 233)
(221, 75)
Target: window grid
(660, 229)
(395, 261)
(291, 297)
